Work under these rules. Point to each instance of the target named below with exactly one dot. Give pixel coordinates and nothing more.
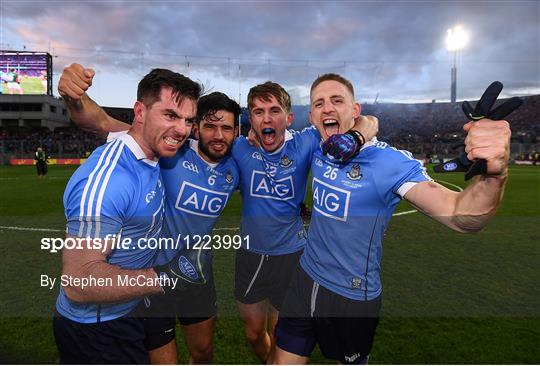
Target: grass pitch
(448, 297)
(29, 85)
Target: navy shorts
(190, 303)
(311, 314)
(259, 277)
(117, 341)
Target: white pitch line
(404, 213)
(30, 229)
(450, 184)
(215, 229)
(225, 228)
(18, 228)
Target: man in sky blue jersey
(334, 297)
(273, 183)
(198, 182)
(114, 204)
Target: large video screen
(25, 72)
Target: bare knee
(202, 353)
(255, 333)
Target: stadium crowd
(424, 129)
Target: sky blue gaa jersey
(196, 194)
(272, 186)
(117, 190)
(352, 205)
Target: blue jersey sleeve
(309, 137)
(395, 169)
(96, 206)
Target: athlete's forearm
(90, 117)
(368, 126)
(105, 282)
(109, 283)
(478, 203)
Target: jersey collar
(132, 145)
(194, 145)
(371, 142)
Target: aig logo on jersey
(330, 201)
(200, 201)
(277, 189)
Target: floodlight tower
(456, 39)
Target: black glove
(481, 110)
(165, 274)
(189, 266)
(343, 147)
(305, 212)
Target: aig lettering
(278, 189)
(200, 201)
(330, 201)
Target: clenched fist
(489, 140)
(75, 81)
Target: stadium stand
(428, 130)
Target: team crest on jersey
(229, 177)
(354, 173)
(285, 161)
(356, 282)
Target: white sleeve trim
(405, 187)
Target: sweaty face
(269, 120)
(216, 135)
(333, 108)
(166, 124)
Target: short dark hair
(209, 104)
(149, 89)
(334, 77)
(265, 91)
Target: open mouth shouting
(331, 126)
(268, 136)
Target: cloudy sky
(391, 50)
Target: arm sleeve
(397, 172)
(408, 171)
(96, 206)
(310, 138)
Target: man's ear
(290, 118)
(139, 110)
(357, 109)
(236, 131)
(195, 131)
(311, 119)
